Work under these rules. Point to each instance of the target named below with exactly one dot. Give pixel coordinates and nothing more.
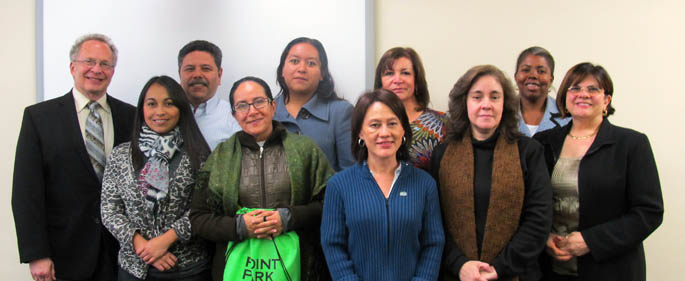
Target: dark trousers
(552, 276)
(202, 276)
(106, 268)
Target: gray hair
(536, 51)
(97, 37)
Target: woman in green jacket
(263, 166)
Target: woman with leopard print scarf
(147, 188)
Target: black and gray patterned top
(124, 211)
(566, 207)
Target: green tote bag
(263, 259)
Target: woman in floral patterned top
(147, 188)
(400, 70)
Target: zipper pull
(261, 152)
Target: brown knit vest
(457, 198)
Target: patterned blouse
(124, 211)
(427, 131)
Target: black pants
(553, 276)
(202, 276)
(106, 268)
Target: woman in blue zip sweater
(381, 217)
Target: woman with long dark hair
(308, 103)
(147, 189)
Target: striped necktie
(95, 139)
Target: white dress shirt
(216, 121)
(105, 112)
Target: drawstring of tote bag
(285, 270)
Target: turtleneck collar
(277, 135)
(488, 143)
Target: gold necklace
(582, 137)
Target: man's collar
(208, 106)
(82, 101)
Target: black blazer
(620, 200)
(55, 191)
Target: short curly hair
(539, 52)
(459, 125)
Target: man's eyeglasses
(105, 65)
(258, 103)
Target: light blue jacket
(327, 123)
(550, 120)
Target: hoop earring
(360, 142)
(404, 139)
(605, 112)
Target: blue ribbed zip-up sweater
(366, 237)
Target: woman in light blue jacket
(534, 76)
(308, 104)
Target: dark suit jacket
(620, 200)
(55, 192)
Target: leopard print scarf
(158, 149)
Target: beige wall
(17, 86)
(640, 43)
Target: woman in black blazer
(607, 195)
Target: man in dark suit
(61, 153)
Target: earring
(360, 142)
(404, 139)
(605, 112)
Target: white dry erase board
(251, 35)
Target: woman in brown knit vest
(494, 189)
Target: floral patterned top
(124, 212)
(428, 130)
